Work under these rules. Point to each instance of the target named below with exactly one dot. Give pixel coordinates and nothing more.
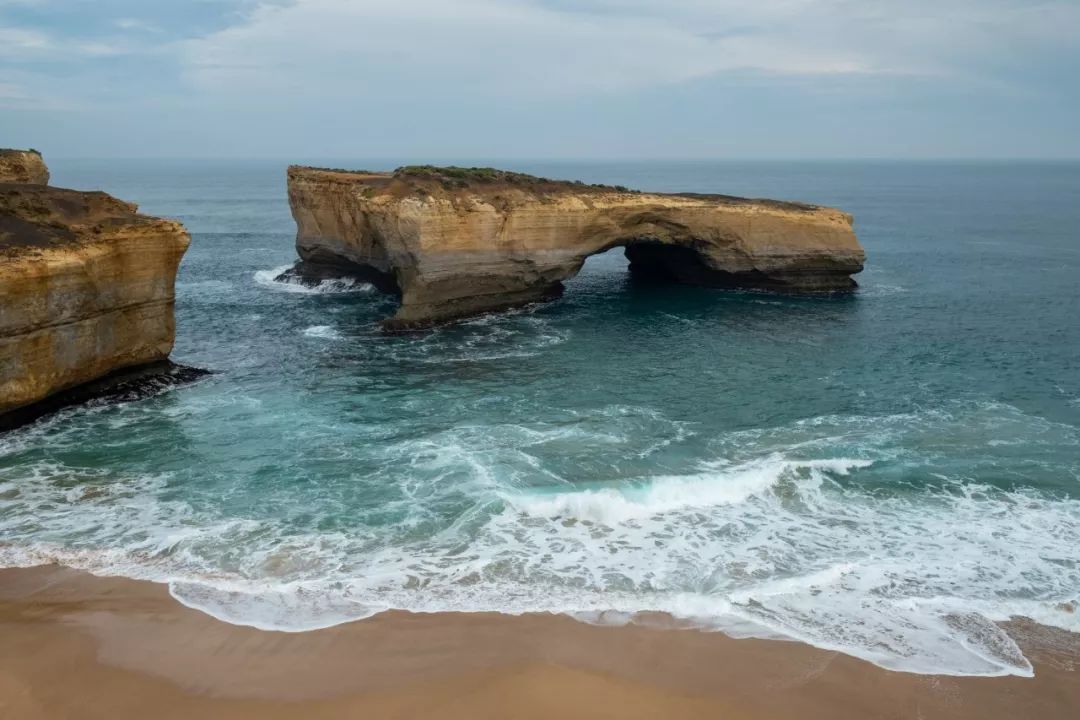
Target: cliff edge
(86, 292)
(455, 242)
(23, 166)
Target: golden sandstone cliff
(23, 166)
(86, 290)
(456, 242)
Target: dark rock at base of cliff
(313, 274)
(655, 263)
(125, 385)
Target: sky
(542, 79)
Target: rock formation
(455, 242)
(23, 166)
(86, 294)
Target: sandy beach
(77, 646)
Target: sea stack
(86, 294)
(456, 242)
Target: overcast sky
(542, 78)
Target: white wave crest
(269, 279)
(324, 332)
(848, 533)
(717, 484)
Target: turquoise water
(887, 474)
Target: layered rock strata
(86, 297)
(23, 166)
(456, 242)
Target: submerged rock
(86, 296)
(455, 242)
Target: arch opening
(654, 261)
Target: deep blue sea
(889, 474)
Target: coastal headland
(86, 295)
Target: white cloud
(24, 44)
(541, 48)
(19, 42)
(98, 49)
(14, 96)
(496, 46)
(556, 77)
(509, 48)
(135, 24)
(11, 91)
(32, 45)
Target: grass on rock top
(452, 176)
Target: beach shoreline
(73, 645)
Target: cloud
(15, 96)
(19, 42)
(11, 92)
(550, 77)
(512, 48)
(136, 25)
(497, 47)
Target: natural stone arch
(454, 242)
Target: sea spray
(270, 279)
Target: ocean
(889, 474)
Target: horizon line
(582, 159)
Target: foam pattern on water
(269, 279)
(777, 535)
(323, 332)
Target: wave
(324, 332)
(515, 335)
(717, 484)
(269, 279)
(882, 551)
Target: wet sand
(77, 646)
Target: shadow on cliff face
(610, 282)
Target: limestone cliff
(456, 242)
(23, 166)
(86, 289)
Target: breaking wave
(777, 535)
(323, 332)
(717, 484)
(269, 279)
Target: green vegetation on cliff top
(453, 176)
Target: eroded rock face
(457, 242)
(23, 166)
(86, 290)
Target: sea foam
(717, 484)
(269, 279)
(773, 537)
(323, 332)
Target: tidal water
(890, 474)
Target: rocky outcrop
(86, 294)
(23, 166)
(456, 242)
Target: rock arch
(457, 242)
